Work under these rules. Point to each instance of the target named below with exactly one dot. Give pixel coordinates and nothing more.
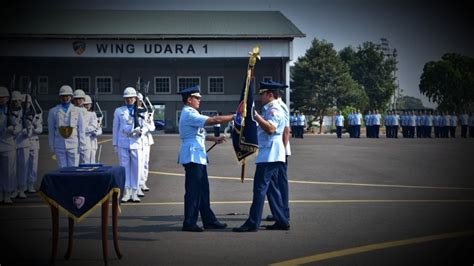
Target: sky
(421, 31)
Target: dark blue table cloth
(77, 191)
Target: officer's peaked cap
(271, 86)
(192, 91)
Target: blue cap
(271, 86)
(192, 91)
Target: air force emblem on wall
(79, 47)
(78, 201)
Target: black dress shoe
(277, 226)
(243, 229)
(270, 218)
(193, 229)
(215, 225)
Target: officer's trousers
(32, 175)
(146, 163)
(7, 170)
(130, 159)
(67, 158)
(464, 131)
(266, 180)
(22, 156)
(339, 131)
(196, 198)
(86, 156)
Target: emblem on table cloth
(78, 201)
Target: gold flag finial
(254, 55)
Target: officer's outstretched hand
(115, 149)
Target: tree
(408, 102)
(449, 82)
(373, 71)
(322, 81)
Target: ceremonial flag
(244, 133)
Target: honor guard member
(147, 142)
(339, 124)
(428, 124)
(436, 122)
(395, 124)
(471, 125)
(37, 129)
(22, 140)
(93, 130)
(8, 130)
(368, 124)
(270, 163)
(376, 123)
(453, 124)
(127, 141)
(464, 119)
(66, 129)
(193, 157)
(412, 125)
(293, 123)
(445, 125)
(78, 101)
(387, 120)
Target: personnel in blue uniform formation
(270, 163)
(193, 157)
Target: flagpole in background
(254, 55)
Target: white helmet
(4, 92)
(65, 90)
(87, 99)
(17, 96)
(140, 96)
(79, 94)
(129, 92)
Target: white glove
(10, 129)
(24, 131)
(115, 149)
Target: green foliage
(449, 82)
(321, 80)
(373, 71)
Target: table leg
(55, 221)
(71, 239)
(114, 223)
(105, 214)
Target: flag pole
(254, 55)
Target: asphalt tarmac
(352, 202)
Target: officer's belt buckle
(65, 132)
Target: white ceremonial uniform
(287, 124)
(147, 142)
(66, 149)
(93, 137)
(93, 130)
(22, 151)
(32, 175)
(7, 154)
(129, 146)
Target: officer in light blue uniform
(464, 119)
(193, 157)
(270, 163)
(339, 124)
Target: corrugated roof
(148, 24)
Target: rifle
(9, 103)
(152, 107)
(137, 110)
(100, 117)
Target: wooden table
(60, 189)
